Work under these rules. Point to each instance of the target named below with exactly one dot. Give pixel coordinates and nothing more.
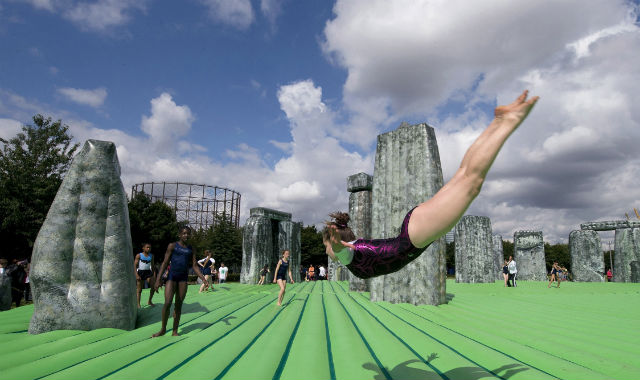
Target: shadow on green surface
(150, 315)
(405, 372)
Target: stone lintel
(610, 225)
(359, 182)
(269, 213)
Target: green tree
(559, 253)
(32, 166)
(507, 249)
(311, 247)
(152, 222)
(225, 240)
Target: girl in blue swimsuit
(181, 256)
(282, 269)
(430, 220)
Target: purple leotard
(375, 257)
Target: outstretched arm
(435, 217)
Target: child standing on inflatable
(430, 220)
(181, 256)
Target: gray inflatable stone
(5, 292)
(627, 256)
(475, 260)
(587, 261)
(610, 225)
(407, 172)
(528, 248)
(265, 235)
(498, 255)
(82, 266)
(360, 186)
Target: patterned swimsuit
(376, 257)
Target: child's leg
(282, 284)
(169, 291)
(139, 289)
(181, 293)
(152, 281)
(438, 215)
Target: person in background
(322, 273)
(312, 273)
(222, 273)
(513, 272)
(505, 272)
(206, 264)
(263, 274)
(609, 275)
(143, 264)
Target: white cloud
(42, 4)
(300, 191)
(271, 9)
(235, 13)
(9, 128)
(103, 14)
(410, 58)
(94, 98)
(99, 15)
(167, 123)
(414, 55)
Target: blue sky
(281, 100)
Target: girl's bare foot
(175, 333)
(159, 333)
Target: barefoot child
(144, 270)
(281, 275)
(180, 255)
(430, 220)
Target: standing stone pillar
(587, 262)
(528, 251)
(474, 250)
(359, 185)
(82, 274)
(265, 235)
(627, 258)
(407, 172)
(498, 254)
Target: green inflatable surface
(323, 331)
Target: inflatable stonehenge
(82, 275)
(265, 235)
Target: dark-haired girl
(181, 256)
(430, 220)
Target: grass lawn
(579, 331)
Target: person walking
(263, 274)
(281, 272)
(205, 267)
